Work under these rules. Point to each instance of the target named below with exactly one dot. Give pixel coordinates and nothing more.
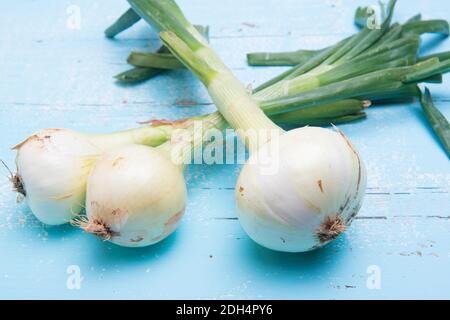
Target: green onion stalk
(387, 48)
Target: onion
(135, 196)
(312, 196)
(52, 168)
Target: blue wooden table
(56, 69)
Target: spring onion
(154, 60)
(126, 20)
(280, 58)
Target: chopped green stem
(364, 39)
(281, 58)
(406, 91)
(430, 26)
(437, 120)
(394, 33)
(154, 60)
(391, 72)
(128, 19)
(387, 79)
(411, 42)
(398, 53)
(347, 89)
(331, 110)
(297, 70)
(412, 28)
(344, 119)
(428, 71)
(441, 56)
(342, 52)
(138, 74)
(436, 78)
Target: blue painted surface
(55, 76)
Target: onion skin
(135, 196)
(313, 196)
(52, 169)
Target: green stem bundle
(379, 65)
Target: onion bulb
(52, 168)
(135, 196)
(310, 199)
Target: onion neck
(185, 142)
(151, 136)
(241, 111)
(231, 98)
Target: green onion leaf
(430, 26)
(259, 59)
(128, 19)
(154, 60)
(437, 120)
(138, 74)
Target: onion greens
(149, 65)
(437, 120)
(126, 20)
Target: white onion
(135, 196)
(52, 168)
(312, 197)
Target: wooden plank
(211, 257)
